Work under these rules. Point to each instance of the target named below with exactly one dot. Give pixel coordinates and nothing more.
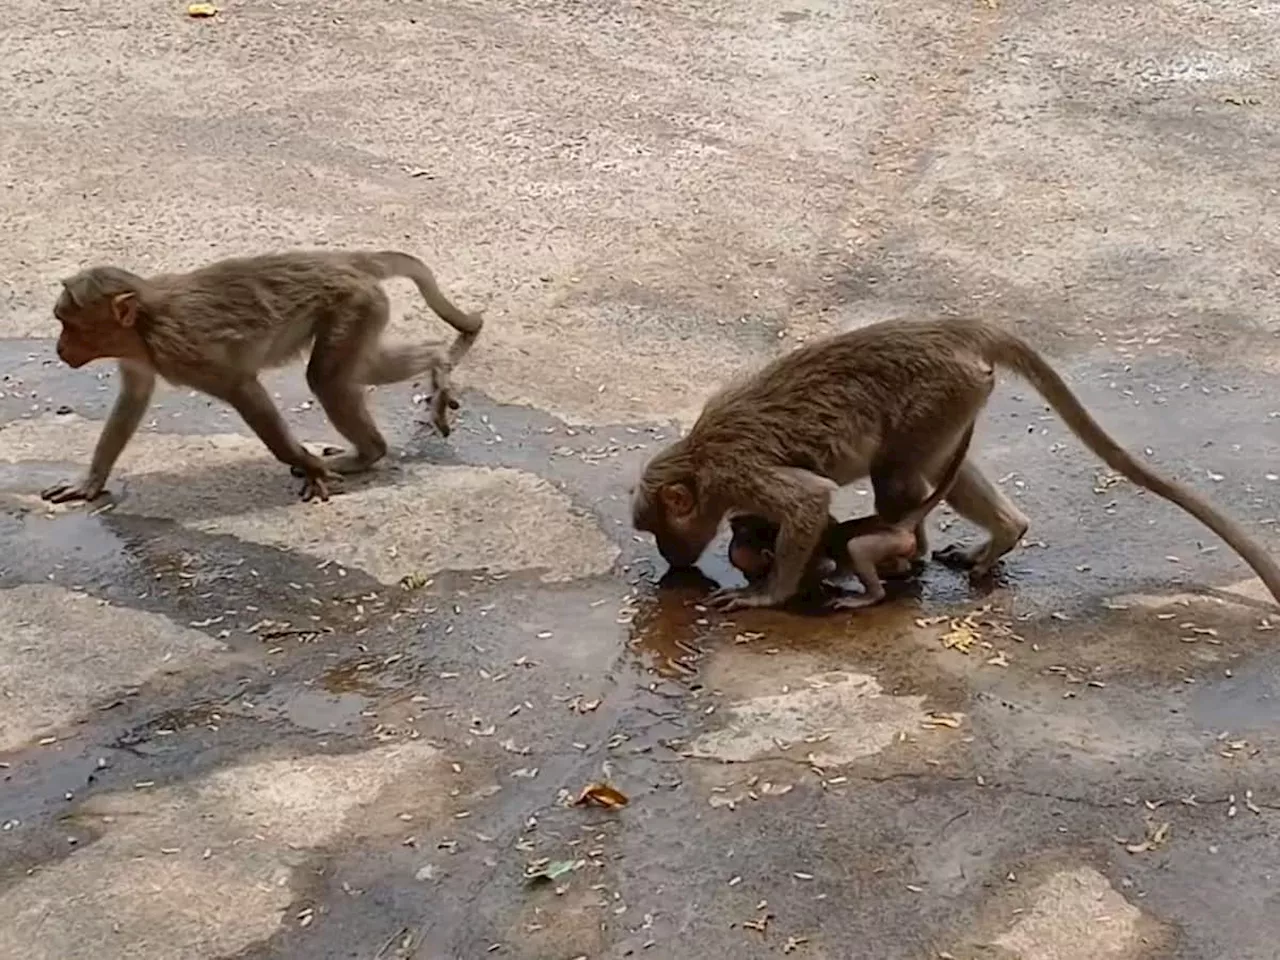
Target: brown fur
(862, 546)
(889, 401)
(217, 327)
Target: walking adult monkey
(217, 327)
(890, 401)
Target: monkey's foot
(316, 485)
(957, 557)
(979, 561)
(441, 404)
(337, 461)
(86, 490)
(348, 463)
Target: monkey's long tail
(393, 263)
(1009, 351)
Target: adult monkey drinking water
(890, 401)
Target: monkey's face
(753, 563)
(72, 345)
(671, 512)
(751, 547)
(104, 329)
(69, 351)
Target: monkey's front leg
(137, 383)
(800, 502)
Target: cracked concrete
(645, 199)
(64, 650)
(203, 868)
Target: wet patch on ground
(917, 754)
(63, 648)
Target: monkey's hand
(858, 601)
(87, 489)
(739, 598)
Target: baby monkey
(866, 547)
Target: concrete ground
(236, 725)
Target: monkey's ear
(68, 295)
(678, 499)
(124, 307)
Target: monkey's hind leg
(253, 403)
(344, 404)
(898, 492)
(394, 364)
(342, 352)
(980, 501)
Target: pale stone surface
(1074, 915)
(62, 651)
(203, 869)
(850, 710)
(419, 519)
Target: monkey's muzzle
(678, 554)
(71, 359)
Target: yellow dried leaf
(201, 10)
(962, 635)
(602, 795)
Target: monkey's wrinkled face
(71, 348)
(89, 335)
(671, 513)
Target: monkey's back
(256, 312)
(808, 407)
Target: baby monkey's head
(752, 544)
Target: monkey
(888, 401)
(215, 328)
(862, 546)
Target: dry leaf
(550, 869)
(201, 10)
(941, 720)
(1157, 834)
(761, 925)
(602, 795)
(962, 635)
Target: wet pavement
(233, 725)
